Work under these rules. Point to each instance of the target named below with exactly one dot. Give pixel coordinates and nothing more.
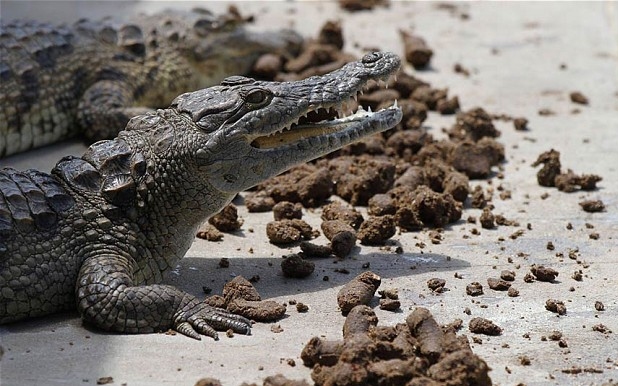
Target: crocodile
(99, 232)
(91, 77)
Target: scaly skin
(100, 232)
(92, 77)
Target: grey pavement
(515, 52)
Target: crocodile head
(246, 131)
(219, 45)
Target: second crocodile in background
(99, 233)
(93, 76)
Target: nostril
(371, 57)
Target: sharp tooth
(340, 111)
(362, 91)
(395, 104)
(368, 109)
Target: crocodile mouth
(319, 122)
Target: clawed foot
(198, 319)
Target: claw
(185, 328)
(205, 329)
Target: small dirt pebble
(487, 219)
(436, 284)
(592, 206)
(521, 124)
(498, 284)
(208, 382)
(389, 293)
(484, 326)
(601, 328)
(556, 306)
(389, 304)
(361, 5)
(578, 97)
(507, 275)
(524, 360)
(474, 289)
(599, 306)
(542, 273)
(512, 292)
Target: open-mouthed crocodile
(93, 76)
(101, 230)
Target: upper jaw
(307, 100)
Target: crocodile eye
(256, 97)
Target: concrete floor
(514, 51)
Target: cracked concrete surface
(514, 52)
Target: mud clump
(416, 50)
(260, 311)
(288, 231)
(550, 175)
(227, 219)
(286, 210)
(341, 235)
(360, 178)
(376, 230)
(295, 266)
(310, 250)
(474, 125)
(209, 232)
(359, 290)
(389, 299)
(474, 160)
(337, 211)
(417, 352)
(241, 297)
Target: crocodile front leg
(107, 297)
(104, 109)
